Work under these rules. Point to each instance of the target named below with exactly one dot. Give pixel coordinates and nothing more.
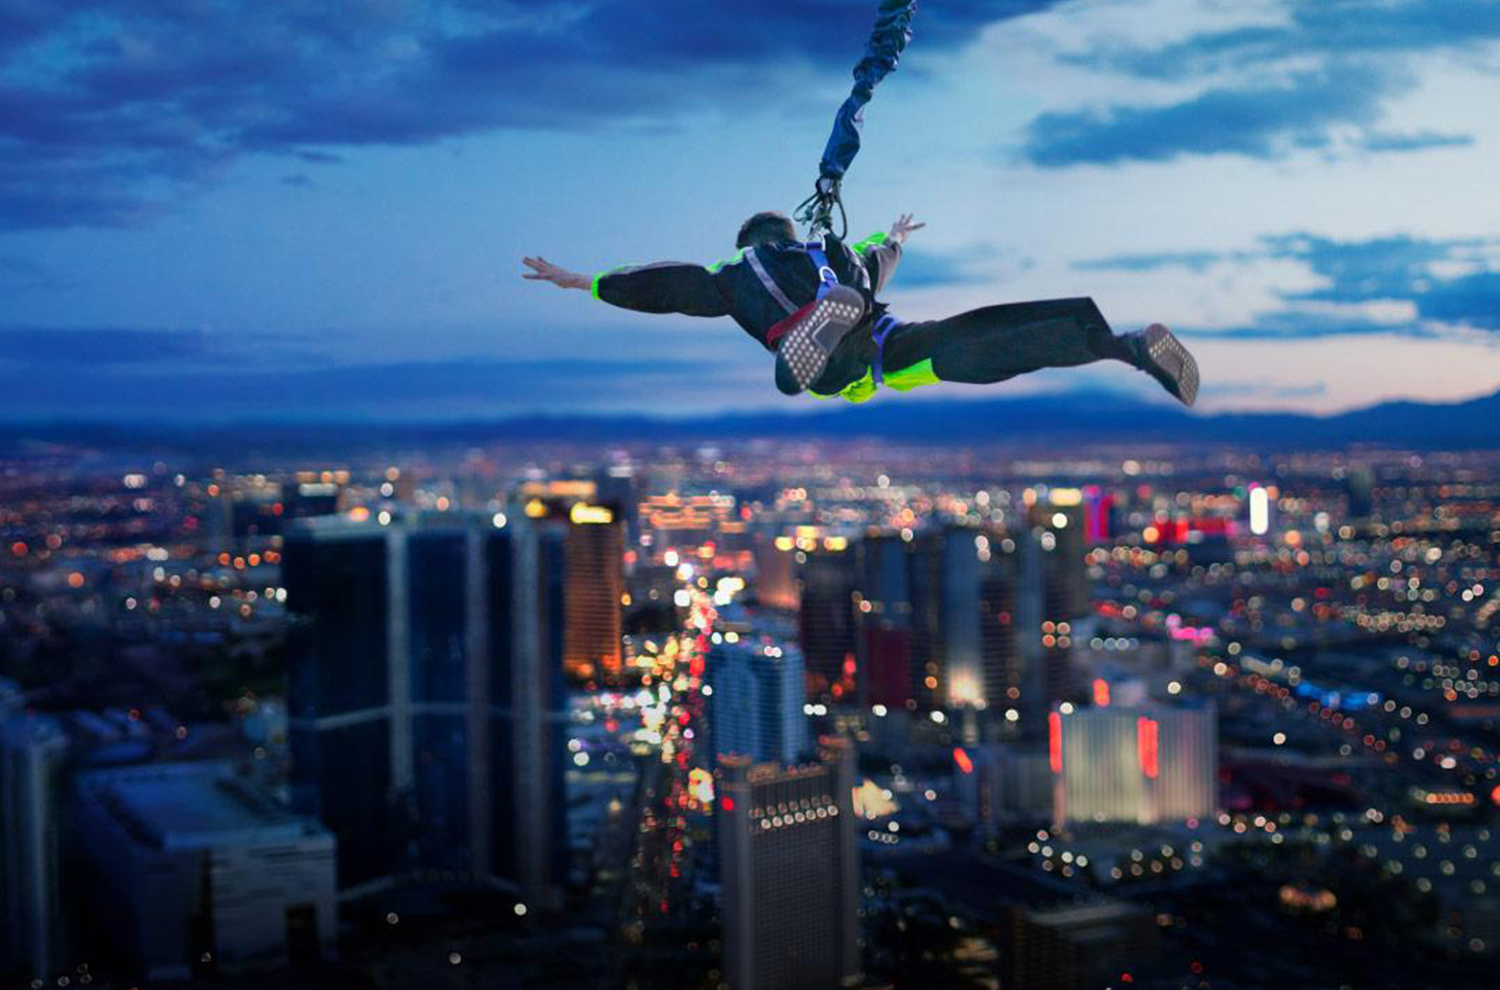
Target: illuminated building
(674, 519)
(33, 751)
(1260, 503)
(1098, 511)
(883, 620)
(943, 581)
(1004, 784)
(595, 552)
(426, 696)
(755, 708)
(198, 871)
(1059, 526)
(1074, 946)
(885, 662)
(1359, 486)
(1059, 574)
(1003, 661)
(595, 571)
(825, 618)
(1145, 764)
(971, 602)
(790, 872)
(776, 572)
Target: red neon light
(962, 759)
(1145, 746)
(1101, 693)
(1054, 741)
(727, 802)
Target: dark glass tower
(427, 700)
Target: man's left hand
(902, 227)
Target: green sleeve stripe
(860, 390)
(904, 380)
(871, 241)
(594, 286)
(912, 377)
(714, 268)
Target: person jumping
(814, 305)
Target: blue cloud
(924, 269)
(95, 346)
(1196, 261)
(1395, 268)
(1472, 299)
(111, 108)
(1360, 50)
(1257, 122)
(1421, 141)
(173, 385)
(1322, 28)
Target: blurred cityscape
(750, 715)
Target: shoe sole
(1172, 364)
(808, 345)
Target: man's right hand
(543, 270)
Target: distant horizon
(1038, 419)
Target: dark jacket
(736, 288)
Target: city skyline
(1205, 712)
(204, 210)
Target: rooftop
(192, 806)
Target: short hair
(766, 228)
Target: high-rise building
(1098, 514)
(33, 754)
(1359, 485)
(884, 662)
(1058, 524)
(1002, 784)
(1053, 562)
(1002, 598)
(1144, 764)
(826, 582)
(790, 872)
(595, 554)
(943, 581)
(594, 561)
(776, 572)
(969, 598)
(199, 871)
(426, 697)
(1077, 946)
(883, 621)
(756, 702)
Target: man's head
(766, 228)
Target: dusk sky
(213, 209)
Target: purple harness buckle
(882, 329)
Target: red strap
(779, 330)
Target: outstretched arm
(666, 287)
(882, 252)
(543, 270)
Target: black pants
(984, 345)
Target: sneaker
(811, 335)
(1161, 355)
